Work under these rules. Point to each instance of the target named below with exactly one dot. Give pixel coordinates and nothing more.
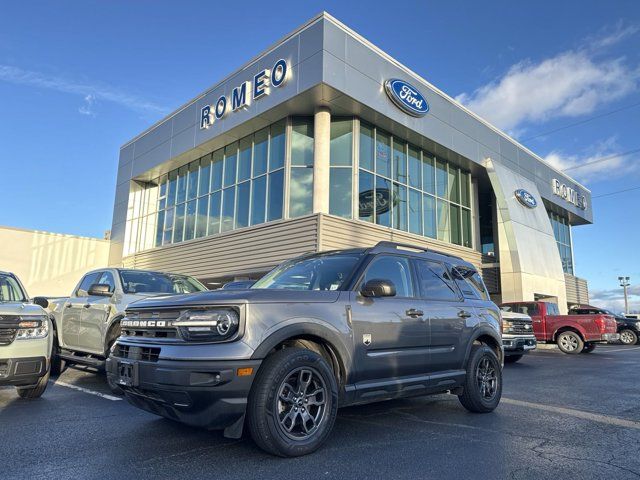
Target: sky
(80, 78)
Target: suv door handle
(413, 313)
(464, 314)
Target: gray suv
(318, 332)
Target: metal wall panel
(577, 289)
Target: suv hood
(221, 297)
(14, 308)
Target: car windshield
(10, 290)
(135, 281)
(322, 272)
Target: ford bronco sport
(319, 331)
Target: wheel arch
(113, 324)
(485, 336)
(568, 328)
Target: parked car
(87, 323)
(628, 328)
(572, 333)
(517, 335)
(25, 340)
(238, 285)
(320, 331)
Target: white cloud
(569, 84)
(614, 299)
(90, 92)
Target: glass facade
(562, 232)
(404, 187)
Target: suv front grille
(150, 324)
(521, 326)
(145, 354)
(8, 329)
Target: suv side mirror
(378, 288)
(100, 290)
(42, 301)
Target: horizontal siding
(577, 289)
(253, 249)
(338, 233)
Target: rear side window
(552, 309)
(88, 280)
(470, 283)
(435, 282)
(392, 268)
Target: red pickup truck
(572, 333)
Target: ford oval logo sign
(406, 97)
(526, 199)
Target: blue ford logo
(406, 97)
(526, 199)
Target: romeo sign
(571, 195)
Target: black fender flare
(113, 321)
(308, 329)
(479, 332)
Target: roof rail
(395, 245)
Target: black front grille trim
(144, 354)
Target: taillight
(602, 323)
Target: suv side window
(435, 282)
(88, 280)
(470, 282)
(393, 268)
(107, 279)
(552, 308)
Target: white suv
(25, 340)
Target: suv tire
(570, 342)
(628, 337)
(512, 358)
(36, 390)
(58, 365)
(113, 386)
(483, 381)
(283, 417)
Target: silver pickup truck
(87, 323)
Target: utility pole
(624, 283)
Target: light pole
(624, 283)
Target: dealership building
(323, 142)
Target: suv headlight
(638, 325)
(211, 325)
(33, 327)
(507, 326)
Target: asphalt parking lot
(562, 416)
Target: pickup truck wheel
(628, 337)
(36, 390)
(483, 381)
(512, 358)
(293, 403)
(570, 342)
(58, 365)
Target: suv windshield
(135, 281)
(10, 290)
(321, 272)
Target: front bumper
(22, 372)
(201, 393)
(610, 337)
(518, 344)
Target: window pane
(190, 221)
(393, 269)
(201, 217)
(214, 213)
(230, 164)
(159, 228)
(242, 202)
(429, 212)
(415, 211)
(302, 142)
(454, 184)
(178, 226)
(442, 179)
(260, 150)
(399, 162)
(258, 200)
(383, 201)
(443, 221)
(228, 207)
(276, 150)
(456, 234)
(366, 146)
(383, 154)
(300, 188)
(192, 184)
(205, 175)
(399, 206)
(341, 142)
(465, 195)
(168, 226)
(173, 185)
(435, 282)
(428, 174)
(276, 187)
(244, 159)
(366, 196)
(181, 195)
(340, 199)
(415, 170)
(466, 228)
(216, 170)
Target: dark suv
(318, 332)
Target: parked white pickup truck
(25, 340)
(87, 323)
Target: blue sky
(78, 79)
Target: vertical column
(321, 153)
